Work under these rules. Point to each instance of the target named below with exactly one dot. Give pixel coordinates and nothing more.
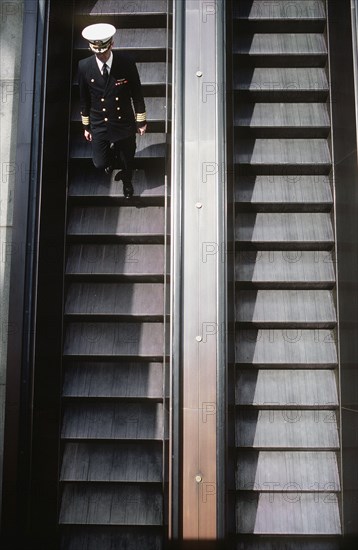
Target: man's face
(103, 57)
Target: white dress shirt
(108, 63)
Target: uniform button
(119, 117)
(106, 119)
(103, 109)
(117, 98)
(102, 98)
(118, 108)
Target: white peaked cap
(99, 36)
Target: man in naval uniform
(110, 89)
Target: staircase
(114, 429)
(287, 442)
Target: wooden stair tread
(143, 340)
(278, 471)
(112, 462)
(114, 380)
(301, 307)
(275, 514)
(113, 220)
(120, 7)
(282, 115)
(112, 421)
(279, 79)
(132, 38)
(286, 388)
(80, 537)
(287, 429)
(282, 152)
(298, 268)
(271, 9)
(111, 505)
(115, 299)
(286, 348)
(283, 227)
(130, 260)
(280, 44)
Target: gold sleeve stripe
(85, 120)
(141, 117)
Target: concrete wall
(11, 18)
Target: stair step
(313, 542)
(286, 308)
(110, 340)
(281, 50)
(278, 471)
(112, 421)
(283, 119)
(296, 348)
(287, 429)
(277, 44)
(112, 462)
(278, 84)
(115, 299)
(129, 39)
(77, 537)
(149, 146)
(135, 261)
(276, 25)
(152, 75)
(305, 230)
(127, 222)
(259, 192)
(155, 108)
(272, 9)
(89, 186)
(282, 152)
(111, 505)
(121, 380)
(278, 514)
(120, 7)
(283, 269)
(286, 388)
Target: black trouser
(121, 155)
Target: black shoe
(119, 175)
(128, 190)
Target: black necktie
(105, 71)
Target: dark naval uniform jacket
(106, 106)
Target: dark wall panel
(43, 508)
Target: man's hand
(88, 135)
(142, 130)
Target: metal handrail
(222, 279)
(175, 263)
